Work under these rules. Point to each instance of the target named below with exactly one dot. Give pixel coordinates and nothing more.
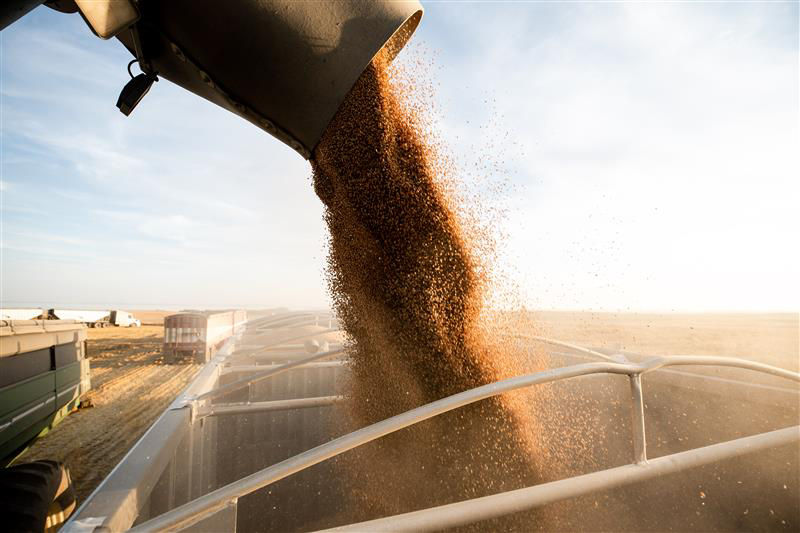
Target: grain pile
(410, 291)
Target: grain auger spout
(286, 66)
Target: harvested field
(772, 338)
(152, 317)
(131, 386)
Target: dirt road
(131, 386)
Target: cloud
(656, 144)
(650, 150)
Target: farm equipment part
(245, 446)
(44, 374)
(36, 496)
(284, 66)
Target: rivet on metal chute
(135, 89)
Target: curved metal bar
(241, 383)
(497, 505)
(194, 511)
(297, 338)
(708, 360)
(264, 407)
(260, 368)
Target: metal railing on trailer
(224, 499)
(117, 502)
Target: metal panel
(222, 520)
(21, 367)
(284, 66)
(117, 502)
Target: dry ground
(152, 317)
(131, 386)
(768, 338)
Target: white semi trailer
(97, 319)
(28, 313)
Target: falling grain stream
(409, 291)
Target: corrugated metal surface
(200, 334)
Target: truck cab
(124, 319)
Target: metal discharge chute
(283, 65)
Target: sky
(650, 153)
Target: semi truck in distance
(96, 319)
(124, 319)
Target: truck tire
(36, 496)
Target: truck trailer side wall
(90, 317)
(43, 374)
(21, 314)
(199, 335)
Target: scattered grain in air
(408, 271)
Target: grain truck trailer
(90, 317)
(44, 374)
(248, 445)
(198, 334)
